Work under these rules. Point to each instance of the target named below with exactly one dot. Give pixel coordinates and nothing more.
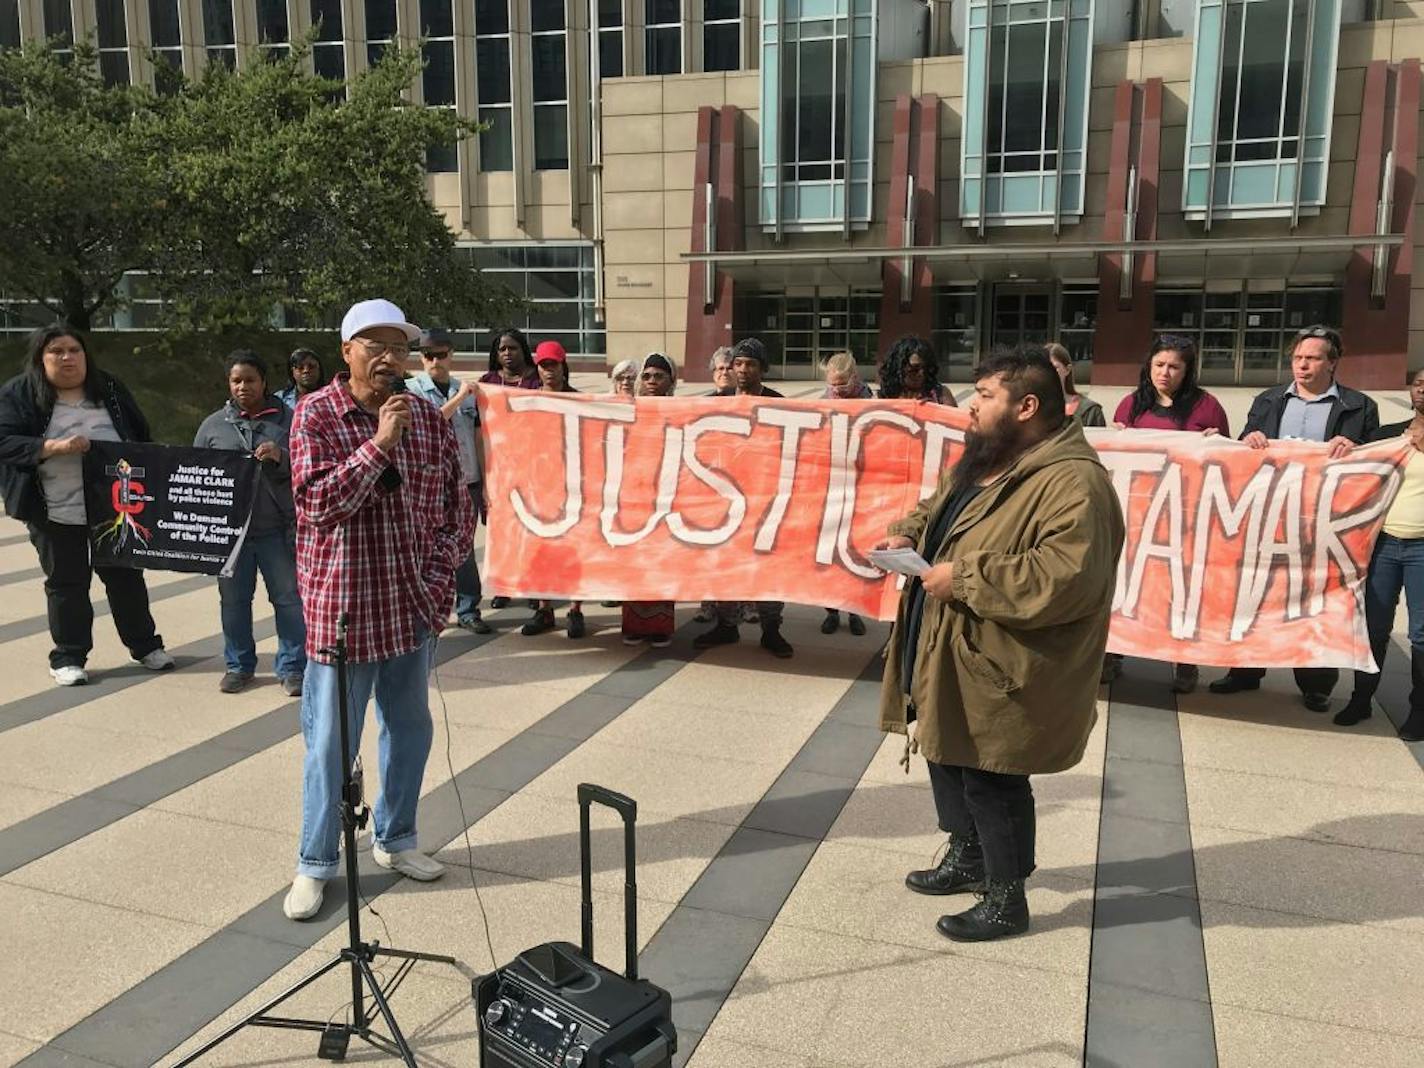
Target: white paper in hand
(900, 561)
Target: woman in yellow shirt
(1397, 565)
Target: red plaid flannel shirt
(385, 556)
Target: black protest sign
(167, 508)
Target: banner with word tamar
(1233, 556)
(167, 508)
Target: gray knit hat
(752, 348)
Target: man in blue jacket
(456, 400)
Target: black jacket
(1352, 414)
(1391, 430)
(228, 428)
(22, 427)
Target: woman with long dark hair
(1167, 397)
(305, 374)
(1087, 411)
(910, 370)
(511, 363)
(511, 360)
(48, 416)
(257, 424)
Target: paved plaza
(1221, 880)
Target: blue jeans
(1397, 565)
(467, 576)
(274, 555)
(403, 712)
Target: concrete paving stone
(1131, 1025)
(44, 832)
(848, 891)
(1314, 969)
(20, 802)
(752, 875)
(708, 788)
(751, 684)
(262, 791)
(66, 957)
(552, 657)
(444, 917)
(802, 803)
(536, 837)
(1245, 1038)
(724, 1053)
(506, 706)
(1325, 880)
(656, 725)
(697, 957)
(13, 1048)
(810, 993)
(74, 760)
(1370, 754)
(167, 865)
(1354, 815)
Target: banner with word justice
(167, 508)
(1233, 557)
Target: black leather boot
(1412, 729)
(1001, 910)
(961, 870)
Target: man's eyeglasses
(436, 354)
(377, 349)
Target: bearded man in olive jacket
(997, 649)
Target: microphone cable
(464, 819)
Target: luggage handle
(626, 807)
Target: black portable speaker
(554, 1006)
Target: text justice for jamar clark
(1233, 555)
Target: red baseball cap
(550, 352)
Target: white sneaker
(304, 898)
(69, 675)
(410, 863)
(158, 660)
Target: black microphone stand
(335, 1037)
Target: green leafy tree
(79, 197)
(240, 193)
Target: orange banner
(1234, 557)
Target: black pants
(1310, 680)
(997, 809)
(64, 557)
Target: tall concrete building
(671, 175)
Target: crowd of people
(372, 481)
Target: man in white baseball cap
(383, 521)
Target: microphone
(390, 479)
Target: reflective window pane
(547, 52)
(380, 20)
(437, 18)
(217, 23)
(551, 138)
(109, 19)
(272, 24)
(721, 46)
(438, 80)
(58, 19)
(326, 14)
(491, 16)
(114, 67)
(610, 53)
(664, 50)
(546, 15)
(610, 12)
(492, 66)
(9, 23)
(497, 141)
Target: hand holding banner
(1233, 556)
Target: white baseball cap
(369, 314)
